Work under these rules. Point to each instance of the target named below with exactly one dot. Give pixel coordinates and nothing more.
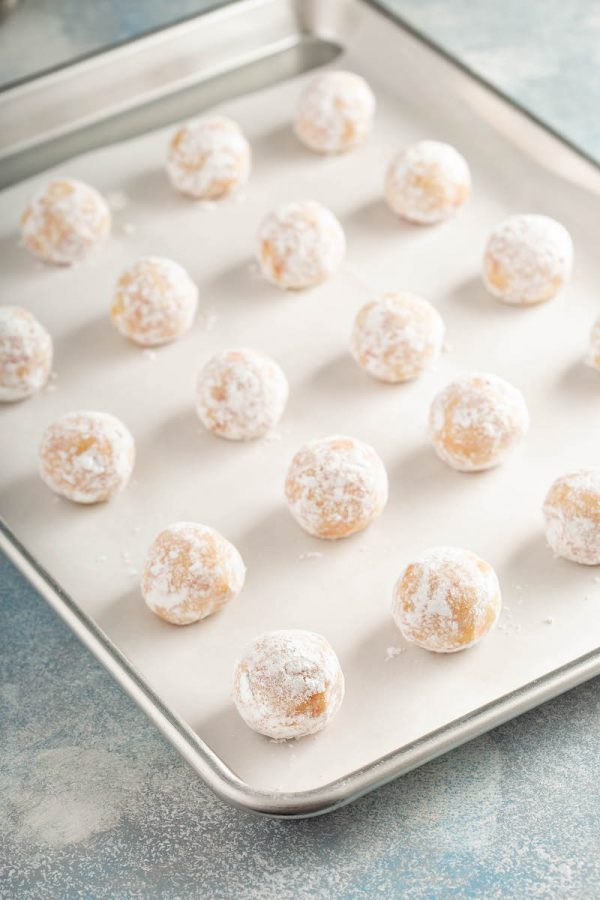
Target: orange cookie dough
(208, 158)
(335, 112)
(64, 220)
(288, 684)
(190, 572)
(25, 354)
(427, 182)
(446, 600)
(572, 516)
(336, 486)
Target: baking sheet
(395, 693)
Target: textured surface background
(96, 804)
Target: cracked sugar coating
(446, 600)
(572, 516)
(155, 301)
(86, 457)
(335, 112)
(241, 394)
(396, 337)
(527, 259)
(336, 486)
(476, 421)
(208, 158)
(300, 245)
(427, 182)
(64, 220)
(593, 355)
(25, 354)
(190, 572)
(288, 684)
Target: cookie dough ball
(208, 158)
(64, 221)
(300, 245)
(25, 354)
(288, 684)
(593, 356)
(427, 182)
(155, 301)
(86, 457)
(241, 394)
(336, 486)
(572, 516)
(447, 599)
(477, 421)
(395, 338)
(527, 259)
(190, 572)
(335, 112)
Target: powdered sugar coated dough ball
(446, 600)
(572, 516)
(593, 355)
(25, 354)
(155, 301)
(335, 112)
(395, 338)
(427, 182)
(288, 684)
(300, 245)
(241, 394)
(527, 259)
(64, 221)
(86, 457)
(477, 421)
(190, 572)
(336, 486)
(208, 158)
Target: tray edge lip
(340, 792)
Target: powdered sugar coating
(427, 182)
(190, 572)
(241, 394)
(336, 486)
(25, 354)
(86, 457)
(64, 220)
(155, 301)
(335, 112)
(300, 245)
(446, 600)
(208, 158)
(396, 337)
(572, 516)
(593, 354)
(477, 421)
(527, 259)
(288, 684)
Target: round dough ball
(335, 112)
(572, 516)
(477, 421)
(336, 486)
(25, 354)
(427, 182)
(593, 356)
(527, 259)
(288, 684)
(208, 158)
(64, 221)
(86, 457)
(395, 338)
(446, 600)
(155, 301)
(300, 245)
(241, 394)
(190, 572)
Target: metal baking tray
(107, 115)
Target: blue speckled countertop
(95, 803)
